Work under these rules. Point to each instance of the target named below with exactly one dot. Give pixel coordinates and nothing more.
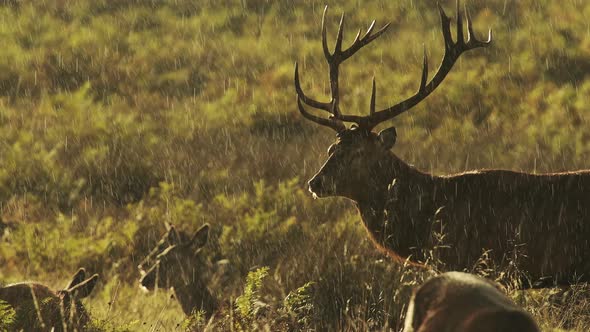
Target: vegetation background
(118, 116)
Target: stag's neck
(195, 296)
(400, 190)
(393, 170)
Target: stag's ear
(387, 137)
(77, 278)
(84, 288)
(200, 238)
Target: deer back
(39, 308)
(462, 302)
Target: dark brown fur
(176, 263)
(38, 308)
(545, 217)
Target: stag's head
(175, 261)
(353, 163)
(356, 158)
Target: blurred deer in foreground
(545, 216)
(176, 263)
(462, 302)
(39, 308)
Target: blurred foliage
(7, 316)
(249, 304)
(118, 116)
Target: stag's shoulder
(24, 289)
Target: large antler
(452, 52)
(334, 60)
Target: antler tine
(338, 56)
(452, 52)
(446, 27)
(334, 60)
(359, 43)
(331, 106)
(331, 122)
(424, 78)
(460, 40)
(311, 102)
(370, 29)
(339, 36)
(372, 106)
(358, 35)
(324, 35)
(472, 41)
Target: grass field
(119, 116)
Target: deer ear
(200, 238)
(84, 288)
(173, 237)
(77, 278)
(387, 137)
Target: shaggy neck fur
(387, 209)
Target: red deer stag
(545, 216)
(175, 263)
(38, 308)
(462, 302)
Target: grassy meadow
(119, 116)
